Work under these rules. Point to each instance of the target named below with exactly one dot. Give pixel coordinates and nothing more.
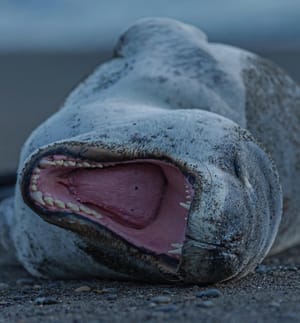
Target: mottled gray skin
(169, 94)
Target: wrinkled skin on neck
(148, 103)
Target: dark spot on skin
(286, 202)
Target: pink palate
(139, 200)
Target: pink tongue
(131, 194)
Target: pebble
(45, 301)
(206, 304)
(83, 289)
(25, 282)
(262, 269)
(167, 308)
(111, 297)
(209, 293)
(4, 286)
(160, 299)
(106, 290)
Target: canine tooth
(59, 204)
(44, 163)
(34, 178)
(175, 251)
(72, 207)
(38, 197)
(185, 205)
(86, 164)
(49, 200)
(85, 209)
(37, 170)
(59, 162)
(176, 245)
(99, 165)
(79, 164)
(97, 215)
(33, 187)
(72, 163)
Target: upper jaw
(168, 263)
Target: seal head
(148, 186)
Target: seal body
(181, 114)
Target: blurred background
(47, 47)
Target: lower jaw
(151, 242)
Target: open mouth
(144, 201)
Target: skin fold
(228, 120)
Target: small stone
(161, 299)
(25, 282)
(83, 289)
(275, 304)
(45, 301)
(4, 286)
(206, 304)
(111, 297)
(167, 308)
(209, 293)
(262, 269)
(106, 290)
(189, 298)
(36, 286)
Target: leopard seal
(177, 160)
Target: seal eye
(237, 168)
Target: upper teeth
(45, 163)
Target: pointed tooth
(86, 164)
(72, 163)
(44, 163)
(185, 205)
(72, 207)
(59, 162)
(38, 197)
(175, 251)
(85, 209)
(176, 245)
(35, 177)
(49, 200)
(33, 187)
(59, 204)
(37, 170)
(97, 215)
(99, 165)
